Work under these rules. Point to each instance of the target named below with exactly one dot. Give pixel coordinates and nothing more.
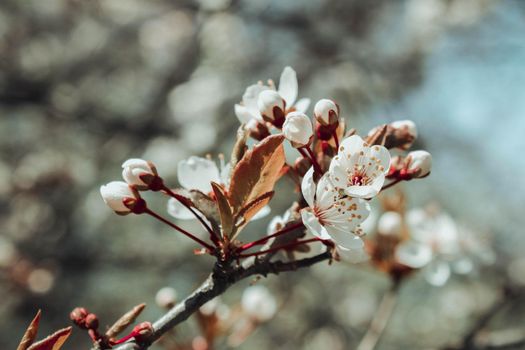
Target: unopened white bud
(409, 125)
(298, 129)
(420, 163)
(326, 112)
(272, 107)
(258, 303)
(390, 224)
(134, 170)
(117, 195)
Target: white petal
(362, 191)
(250, 98)
(179, 211)
(337, 173)
(265, 211)
(197, 173)
(288, 86)
(353, 256)
(114, 194)
(243, 114)
(345, 239)
(302, 105)
(312, 224)
(413, 254)
(225, 174)
(352, 145)
(308, 187)
(382, 155)
(437, 272)
(325, 192)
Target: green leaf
(225, 210)
(256, 173)
(30, 334)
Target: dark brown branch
(219, 280)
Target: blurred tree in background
(86, 84)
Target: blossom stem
(275, 234)
(336, 140)
(180, 229)
(380, 319)
(284, 246)
(312, 157)
(172, 194)
(391, 184)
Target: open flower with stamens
(197, 173)
(248, 110)
(332, 216)
(359, 169)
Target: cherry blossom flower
(326, 112)
(298, 129)
(197, 173)
(248, 110)
(258, 303)
(137, 172)
(358, 169)
(434, 246)
(332, 216)
(118, 196)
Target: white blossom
(248, 110)
(420, 162)
(326, 112)
(115, 194)
(390, 224)
(359, 169)
(330, 215)
(258, 303)
(298, 129)
(134, 168)
(434, 245)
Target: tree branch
(217, 282)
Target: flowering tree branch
(222, 277)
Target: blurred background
(85, 85)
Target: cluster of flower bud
(84, 319)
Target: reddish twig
(180, 229)
(275, 234)
(284, 246)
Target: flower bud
(258, 303)
(399, 134)
(420, 163)
(121, 198)
(326, 112)
(78, 316)
(92, 321)
(272, 107)
(390, 224)
(298, 129)
(141, 174)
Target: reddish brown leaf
(54, 341)
(256, 173)
(124, 321)
(240, 146)
(252, 208)
(30, 334)
(225, 210)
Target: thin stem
(284, 246)
(172, 194)
(380, 319)
(336, 140)
(391, 184)
(181, 230)
(303, 153)
(316, 165)
(275, 234)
